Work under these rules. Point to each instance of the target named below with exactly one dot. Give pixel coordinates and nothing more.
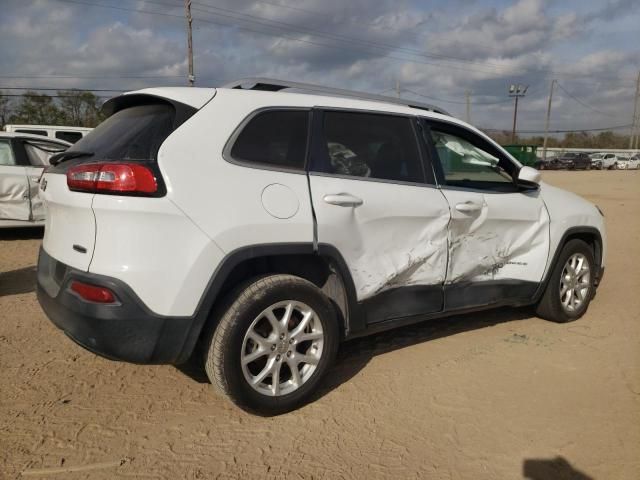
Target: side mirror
(529, 176)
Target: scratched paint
(415, 257)
(507, 239)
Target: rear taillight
(124, 178)
(93, 293)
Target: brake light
(110, 177)
(93, 293)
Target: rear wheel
(570, 287)
(276, 339)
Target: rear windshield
(134, 133)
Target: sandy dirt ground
(492, 395)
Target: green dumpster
(525, 154)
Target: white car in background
(610, 161)
(627, 163)
(23, 158)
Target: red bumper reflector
(93, 293)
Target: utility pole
(467, 94)
(398, 87)
(516, 91)
(546, 123)
(187, 11)
(635, 124)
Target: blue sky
(437, 50)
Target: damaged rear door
(14, 185)
(499, 232)
(375, 203)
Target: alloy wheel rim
(282, 348)
(575, 282)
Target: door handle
(468, 207)
(343, 200)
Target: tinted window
(6, 154)
(371, 146)
(276, 138)
(33, 132)
(71, 137)
(467, 161)
(135, 133)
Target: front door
(374, 203)
(14, 186)
(499, 233)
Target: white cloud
(357, 45)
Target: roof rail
(273, 85)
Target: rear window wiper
(62, 156)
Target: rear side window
(370, 145)
(275, 138)
(6, 154)
(71, 137)
(134, 133)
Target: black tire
(550, 305)
(224, 346)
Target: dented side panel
(397, 237)
(507, 238)
(14, 193)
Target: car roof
(197, 97)
(29, 136)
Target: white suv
(263, 227)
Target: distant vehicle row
(585, 161)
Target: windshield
(134, 133)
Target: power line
(297, 39)
(586, 105)
(329, 35)
(288, 26)
(454, 101)
(343, 46)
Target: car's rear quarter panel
(154, 248)
(223, 198)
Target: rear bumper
(127, 330)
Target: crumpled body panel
(402, 252)
(507, 239)
(397, 237)
(14, 193)
(38, 211)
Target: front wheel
(277, 338)
(570, 287)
